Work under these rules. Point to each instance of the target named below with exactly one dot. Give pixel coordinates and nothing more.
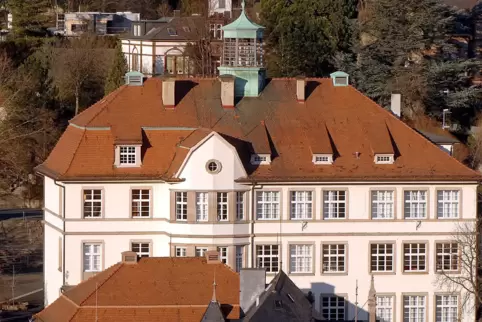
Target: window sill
(301, 219)
(334, 273)
(458, 272)
(93, 218)
(141, 217)
(383, 273)
(301, 274)
(267, 220)
(127, 165)
(451, 218)
(334, 219)
(415, 272)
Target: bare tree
(164, 9)
(466, 280)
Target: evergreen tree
(29, 17)
(117, 71)
(302, 36)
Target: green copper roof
(242, 27)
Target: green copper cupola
(243, 55)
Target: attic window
(322, 158)
(341, 80)
(171, 32)
(128, 156)
(134, 78)
(137, 30)
(259, 159)
(186, 29)
(384, 158)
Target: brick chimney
(212, 257)
(227, 90)
(168, 92)
(300, 89)
(129, 257)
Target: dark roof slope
(282, 301)
(185, 29)
(213, 313)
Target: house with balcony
(100, 23)
(304, 175)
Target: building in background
(100, 23)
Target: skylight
(171, 32)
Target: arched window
(135, 60)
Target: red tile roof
(292, 131)
(154, 289)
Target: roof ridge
(75, 152)
(393, 117)
(98, 286)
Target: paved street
(19, 213)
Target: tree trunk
(76, 101)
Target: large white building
(310, 176)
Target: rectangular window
(381, 257)
(447, 258)
(446, 309)
(334, 204)
(127, 155)
(200, 251)
(267, 256)
(239, 258)
(92, 257)
(414, 257)
(181, 206)
(267, 205)
(137, 30)
(240, 205)
(447, 204)
(223, 254)
(141, 249)
(92, 203)
(202, 206)
(141, 202)
(414, 308)
(333, 308)
(181, 251)
(415, 204)
(301, 258)
(384, 310)
(222, 4)
(301, 205)
(334, 257)
(382, 204)
(222, 206)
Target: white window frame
(200, 251)
(222, 206)
(415, 204)
(268, 205)
(382, 204)
(240, 206)
(448, 204)
(340, 310)
(414, 308)
(445, 256)
(223, 254)
(260, 159)
(414, 256)
(180, 205)
(333, 206)
(143, 201)
(239, 257)
(322, 159)
(180, 251)
(141, 246)
(446, 308)
(384, 311)
(384, 158)
(202, 206)
(128, 155)
(137, 30)
(91, 257)
(272, 254)
(301, 258)
(301, 205)
(91, 203)
(331, 262)
(383, 257)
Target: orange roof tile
(154, 289)
(354, 123)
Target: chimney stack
(129, 257)
(252, 282)
(227, 90)
(396, 105)
(300, 89)
(168, 92)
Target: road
(19, 213)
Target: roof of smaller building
(153, 289)
(173, 29)
(282, 301)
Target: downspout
(63, 237)
(251, 227)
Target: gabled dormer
(381, 143)
(127, 147)
(340, 78)
(321, 145)
(261, 150)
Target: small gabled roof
(213, 313)
(282, 301)
(319, 138)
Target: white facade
(116, 229)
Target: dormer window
(322, 158)
(259, 159)
(128, 156)
(339, 78)
(384, 158)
